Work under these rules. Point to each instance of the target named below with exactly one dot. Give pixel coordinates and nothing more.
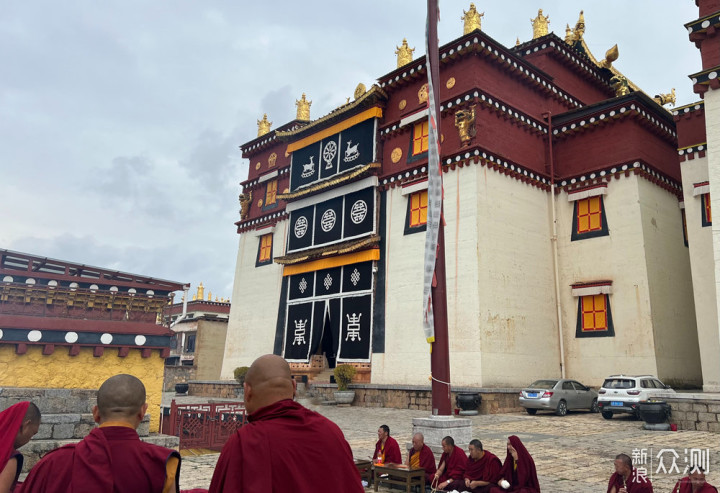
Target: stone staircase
(66, 418)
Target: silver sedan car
(558, 395)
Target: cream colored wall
(670, 287)
(703, 276)
(209, 349)
(255, 301)
(712, 129)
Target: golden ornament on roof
(574, 35)
(359, 90)
(517, 41)
(610, 56)
(263, 125)
(200, 292)
(620, 84)
(303, 108)
(540, 25)
(404, 53)
(568, 34)
(663, 99)
(472, 19)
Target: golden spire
(540, 25)
(263, 125)
(209, 296)
(404, 53)
(472, 19)
(200, 295)
(579, 27)
(610, 56)
(303, 108)
(568, 34)
(517, 41)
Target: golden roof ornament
(472, 19)
(610, 56)
(263, 125)
(663, 99)
(620, 84)
(303, 108)
(359, 91)
(404, 53)
(574, 35)
(200, 292)
(540, 25)
(568, 34)
(517, 41)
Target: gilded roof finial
(303, 108)
(209, 296)
(472, 19)
(610, 56)
(200, 292)
(263, 125)
(568, 34)
(663, 99)
(404, 53)
(517, 41)
(540, 25)
(579, 27)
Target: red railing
(204, 425)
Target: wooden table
(401, 475)
(364, 467)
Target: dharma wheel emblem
(358, 211)
(327, 222)
(301, 226)
(329, 154)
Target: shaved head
(268, 381)
(120, 396)
(32, 415)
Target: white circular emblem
(106, 338)
(71, 337)
(327, 222)
(301, 226)
(358, 211)
(1, 334)
(34, 336)
(140, 340)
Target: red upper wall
(708, 7)
(691, 127)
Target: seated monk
(18, 424)
(626, 479)
(481, 473)
(284, 446)
(112, 458)
(694, 483)
(420, 456)
(452, 464)
(518, 469)
(387, 450)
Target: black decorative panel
(355, 328)
(357, 277)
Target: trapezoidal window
(594, 316)
(416, 218)
(589, 219)
(264, 250)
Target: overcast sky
(120, 121)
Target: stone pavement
(572, 454)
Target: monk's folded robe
(455, 464)
(637, 483)
(285, 447)
(685, 486)
(487, 468)
(388, 452)
(425, 459)
(521, 475)
(111, 459)
(11, 420)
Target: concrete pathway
(572, 454)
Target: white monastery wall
(712, 129)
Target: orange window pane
(594, 312)
(265, 247)
(271, 192)
(589, 214)
(418, 208)
(420, 137)
(708, 208)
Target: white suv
(623, 393)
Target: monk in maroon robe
(284, 447)
(18, 424)
(387, 450)
(482, 471)
(420, 456)
(694, 483)
(112, 458)
(626, 478)
(452, 464)
(518, 470)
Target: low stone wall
(177, 374)
(494, 401)
(227, 389)
(699, 412)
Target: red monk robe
(487, 468)
(11, 420)
(111, 459)
(521, 475)
(388, 452)
(455, 464)
(286, 448)
(636, 483)
(425, 459)
(685, 486)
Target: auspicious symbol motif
(327, 222)
(308, 168)
(303, 285)
(327, 282)
(396, 154)
(574, 35)
(402, 104)
(245, 202)
(257, 165)
(260, 203)
(540, 25)
(472, 19)
(450, 83)
(351, 153)
(353, 327)
(620, 84)
(299, 332)
(329, 154)
(663, 99)
(359, 90)
(465, 123)
(263, 125)
(358, 211)
(404, 53)
(301, 226)
(303, 108)
(610, 56)
(272, 159)
(355, 277)
(423, 94)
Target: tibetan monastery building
(565, 246)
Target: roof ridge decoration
(472, 20)
(404, 54)
(540, 25)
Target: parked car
(559, 395)
(623, 393)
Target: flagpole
(440, 353)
